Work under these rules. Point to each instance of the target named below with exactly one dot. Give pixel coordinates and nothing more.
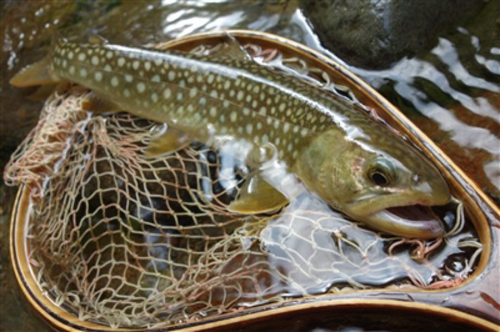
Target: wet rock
(375, 33)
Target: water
(450, 90)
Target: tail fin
(38, 73)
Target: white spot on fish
(107, 68)
(70, 55)
(227, 85)
(171, 75)
(156, 78)
(115, 81)
(202, 101)
(214, 94)
(286, 127)
(222, 118)
(135, 65)
(246, 111)
(109, 55)
(240, 95)
(179, 96)
(233, 116)
(303, 132)
(193, 92)
(249, 128)
(276, 124)
(154, 97)
(121, 62)
(95, 60)
(210, 79)
(141, 87)
(213, 111)
(126, 93)
(147, 65)
(83, 72)
(129, 78)
(81, 56)
(98, 76)
(265, 138)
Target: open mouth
(413, 212)
(414, 221)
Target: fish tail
(39, 73)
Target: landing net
(126, 241)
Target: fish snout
(434, 191)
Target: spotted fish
(339, 153)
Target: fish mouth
(413, 221)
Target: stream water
(450, 90)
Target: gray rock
(375, 33)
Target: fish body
(349, 160)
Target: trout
(352, 162)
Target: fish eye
(379, 178)
(381, 173)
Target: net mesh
(128, 241)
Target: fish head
(380, 180)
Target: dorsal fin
(97, 40)
(230, 48)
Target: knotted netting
(128, 241)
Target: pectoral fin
(258, 196)
(97, 104)
(38, 73)
(171, 141)
(44, 91)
